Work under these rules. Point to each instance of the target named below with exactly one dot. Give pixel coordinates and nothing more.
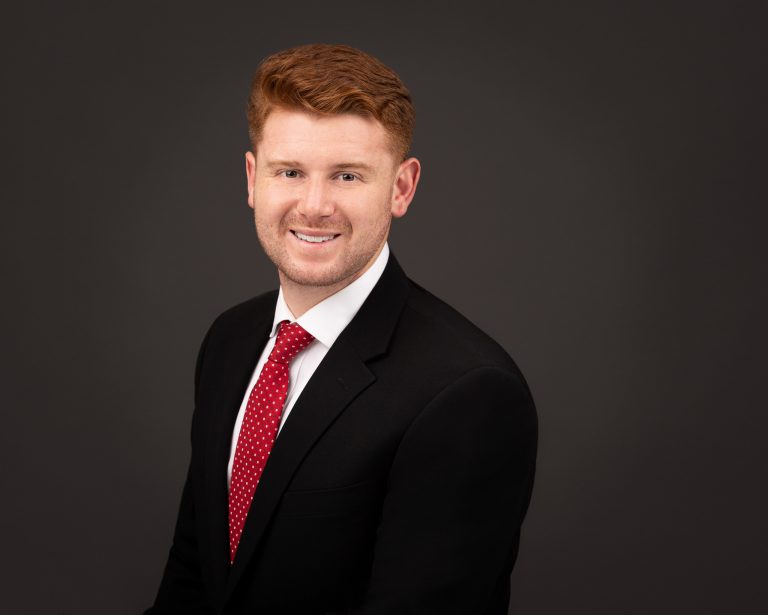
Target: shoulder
(435, 348)
(438, 325)
(234, 334)
(466, 387)
(246, 321)
(245, 315)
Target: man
(357, 445)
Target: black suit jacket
(397, 485)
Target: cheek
(272, 192)
(366, 208)
(270, 203)
(265, 216)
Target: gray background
(593, 196)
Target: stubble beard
(348, 267)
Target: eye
(291, 173)
(347, 177)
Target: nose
(316, 200)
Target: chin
(315, 277)
(335, 270)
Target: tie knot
(291, 340)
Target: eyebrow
(355, 166)
(272, 164)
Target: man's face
(324, 190)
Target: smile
(314, 238)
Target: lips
(315, 238)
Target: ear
(406, 180)
(250, 173)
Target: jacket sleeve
(458, 491)
(182, 589)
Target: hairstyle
(330, 80)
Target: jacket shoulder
(453, 341)
(244, 314)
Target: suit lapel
(242, 354)
(340, 377)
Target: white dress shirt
(325, 322)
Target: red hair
(330, 80)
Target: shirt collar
(329, 318)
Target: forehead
(289, 134)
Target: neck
(301, 298)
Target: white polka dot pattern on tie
(260, 423)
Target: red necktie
(259, 428)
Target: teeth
(312, 239)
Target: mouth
(315, 238)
